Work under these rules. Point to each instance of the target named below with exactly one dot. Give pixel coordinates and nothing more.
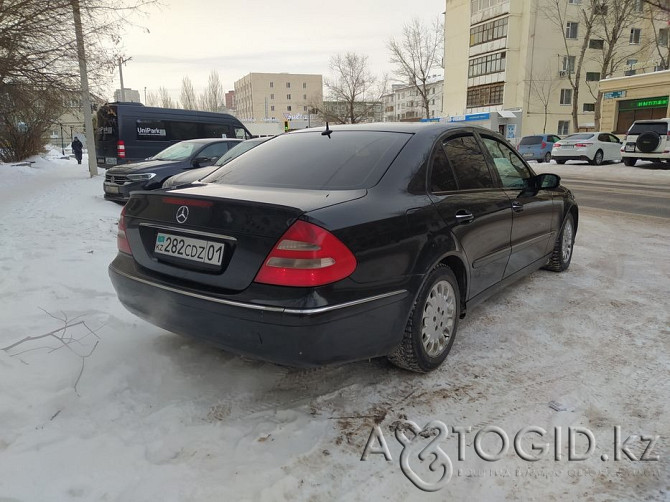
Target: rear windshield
(531, 140)
(580, 136)
(312, 161)
(107, 129)
(657, 127)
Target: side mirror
(201, 161)
(548, 181)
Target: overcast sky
(192, 38)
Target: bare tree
(213, 99)
(417, 55)
(542, 86)
(164, 98)
(187, 97)
(39, 47)
(153, 99)
(657, 12)
(661, 5)
(611, 24)
(353, 90)
(556, 13)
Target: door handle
(463, 217)
(517, 207)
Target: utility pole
(121, 63)
(85, 95)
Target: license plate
(630, 147)
(567, 146)
(110, 160)
(111, 188)
(527, 154)
(197, 250)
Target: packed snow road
(116, 409)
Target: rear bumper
(362, 328)
(570, 157)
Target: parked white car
(647, 140)
(593, 147)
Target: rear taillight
(544, 145)
(557, 145)
(121, 149)
(306, 256)
(121, 238)
(582, 145)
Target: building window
(288, 96)
(592, 76)
(663, 37)
(485, 65)
(571, 30)
(288, 108)
(566, 96)
(589, 107)
(563, 127)
(304, 85)
(638, 5)
(272, 84)
(479, 5)
(631, 67)
(304, 96)
(272, 108)
(596, 43)
(575, 2)
(569, 64)
(600, 9)
(272, 96)
(304, 108)
(485, 95)
(288, 85)
(634, 36)
(486, 32)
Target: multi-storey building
(129, 95)
(277, 96)
(404, 103)
(509, 62)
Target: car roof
(428, 128)
(210, 140)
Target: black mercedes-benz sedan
(337, 244)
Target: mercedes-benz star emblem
(182, 214)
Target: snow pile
(158, 417)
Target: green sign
(636, 104)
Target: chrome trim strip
(265, 308)
(353, 303)
(188, 231)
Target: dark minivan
(130, 132)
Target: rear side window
(312, 161)
(468, 163)
(531, 140)
(657, 127)
(441, 176)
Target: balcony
(481, 10)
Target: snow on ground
(158, 417)
(643, 172)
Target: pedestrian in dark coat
(77, 148)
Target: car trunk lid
(217, 236)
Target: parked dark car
(152, 172)
(326, 246)
(192, 175)
(537, 147)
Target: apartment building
(404, 103)
(277, 96)
(509, 62)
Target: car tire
(547, 157)
(432, 324)
(629, 161)
(561, 162)
(597, 158)
(562, 254)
